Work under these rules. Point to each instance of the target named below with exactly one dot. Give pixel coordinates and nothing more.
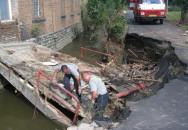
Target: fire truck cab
(148, 10)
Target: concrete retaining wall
(59, 39)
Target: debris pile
(147, 62)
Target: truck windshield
(151, 1)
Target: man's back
(96, 84)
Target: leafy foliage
(107, 15)
(35, 32)
(183, 4)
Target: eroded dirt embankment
(147, 61)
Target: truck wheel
(154, 20)
(161, 21)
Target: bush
(106, 14)
(35, 32)
(118, 28)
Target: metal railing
(41, 74)
(83, 49)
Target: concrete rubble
(84, 126)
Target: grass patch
(174, 17)
(185, 26)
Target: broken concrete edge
(28, 91)
(28, 87)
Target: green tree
(107, 19)
(184, 11)
(183, 4)
(107, 14)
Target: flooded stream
(16, 113)
(73, 49)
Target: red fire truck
(149, 10)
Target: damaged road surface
(168, 108)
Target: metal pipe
(133, 89)
(83, 48)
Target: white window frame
(38, 14)
(10, 12)
(10, 9)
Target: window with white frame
(5, 10)
(36, 8)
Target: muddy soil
(157, 57)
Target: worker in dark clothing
(70, 72)
(98, 92)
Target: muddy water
(16, 114)
(73, 49)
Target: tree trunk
(184, 12)
(186, 18)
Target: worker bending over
(70, 70)
(99, 92)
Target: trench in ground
(155, 55)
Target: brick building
(21, 19)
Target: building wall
(9, 32)
(55, 15)
(57, 40)
(25, 18)
(57, 19)
(14, 6)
